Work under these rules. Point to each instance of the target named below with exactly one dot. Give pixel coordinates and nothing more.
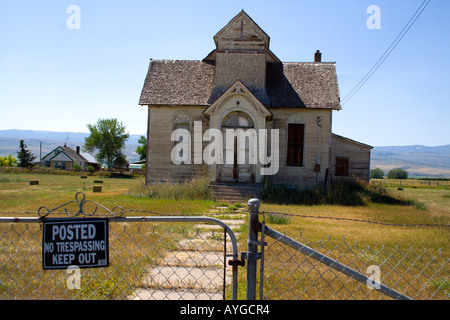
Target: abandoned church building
(242, 84)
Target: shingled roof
(178, 82)
(191, 82)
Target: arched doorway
(234, 172)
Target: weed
(277, 218)
(441, 284)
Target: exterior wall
(316, 142)
(316, 145)
(358, 154)
(250, 68)
(161, 125)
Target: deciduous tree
(107, 140)
(397, 173)
(141, 150)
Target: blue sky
(57, 79)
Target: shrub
(341, 192)
(76, 167)
(397, 173)
(376, 173)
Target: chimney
(317, 56)
(78, 150)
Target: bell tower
(242, 50)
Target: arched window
(237, 120)
(181, 120)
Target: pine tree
(24, 156)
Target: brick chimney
(317, 56)
(78, 150)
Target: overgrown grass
(277, 218)
(343, 192)
(196, 188)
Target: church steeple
(242, 34)
(242, 51)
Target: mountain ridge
(9, 142)
(418, 160)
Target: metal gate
(151, 257)
(295, 270)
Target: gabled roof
(178, 82)
(289, 85)
(69, 152)
(239, 88)
(237, 24)
(348, 140)
(303, 85)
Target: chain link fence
(184, 258)
(414, 272)
(158, 260)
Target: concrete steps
(235, 191)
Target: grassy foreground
(17, 195)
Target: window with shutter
(342, 164)
(295, 143)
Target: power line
(387, 52)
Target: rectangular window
(342, 164)
(296, 136)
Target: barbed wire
(297, 215)
(358, 220)
(131, 210)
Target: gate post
(252, 255)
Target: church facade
(242, 86)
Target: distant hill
(418, 160)
(9, 142)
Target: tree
(107, 140)
(141, 150)
(24, 156)
(376, 173)
(7, 161)
(397, 173)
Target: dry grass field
(317, 224)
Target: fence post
(254, 227)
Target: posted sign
(80, 242)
